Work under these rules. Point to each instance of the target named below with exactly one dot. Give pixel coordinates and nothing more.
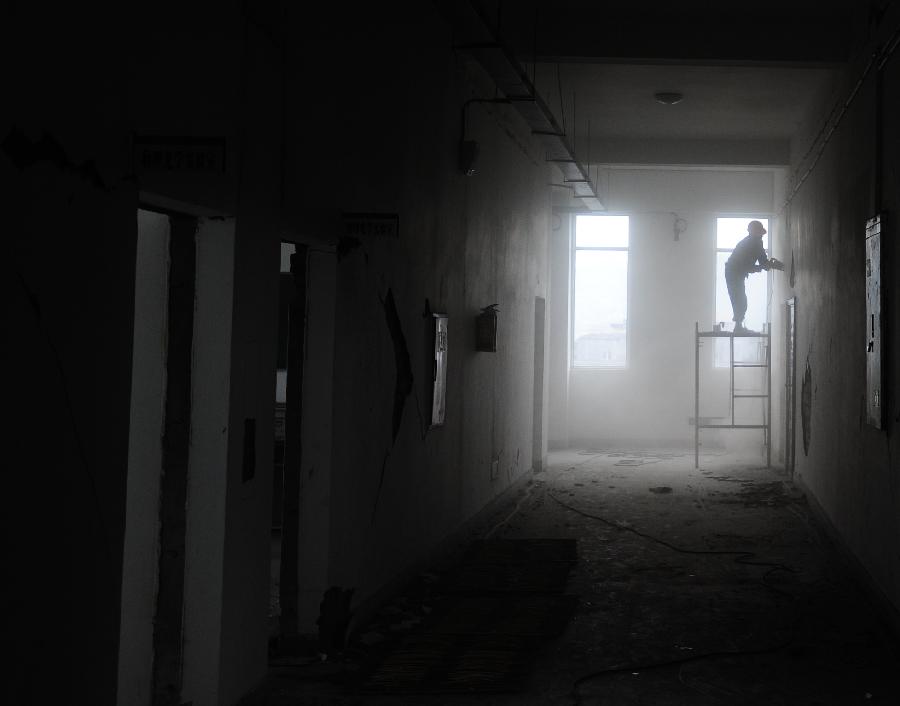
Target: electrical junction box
(486, 330)
(439, 376)
(874, 331)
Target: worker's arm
(761, 258)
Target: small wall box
(486, 330)
(439, 370)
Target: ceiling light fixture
(668, 97)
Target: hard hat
(756, 227)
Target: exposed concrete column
(207, 486)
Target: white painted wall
(671, 286)
(140, 561)
(558, 311)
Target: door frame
(790, 384)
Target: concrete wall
(851, 469)
(316, 438)
(671, 286)
(372, 127)
(361, 116)
(69, 282)
(381, 136)
(72, 195)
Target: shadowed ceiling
(749, 72)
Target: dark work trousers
(734, 280)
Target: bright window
(729, 231)
(600, 292)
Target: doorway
(177, 458)
(148, 393)
(790, 380)
(537, 447)
(151, 653)
(288, 410)
(285, 288)
(301, 520)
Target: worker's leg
(738, 296)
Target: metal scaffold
(766, 395)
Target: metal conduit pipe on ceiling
(517, 89)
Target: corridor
(708, 586)
(388, 332)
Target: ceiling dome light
(668, 97)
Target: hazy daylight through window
(600, 292)
(729, 232)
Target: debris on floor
(661, 489)
(723, 592)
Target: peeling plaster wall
(671, 285)
(851, 469)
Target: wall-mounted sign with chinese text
(179, 154)
(372, 225)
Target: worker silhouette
(748, 256)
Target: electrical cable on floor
(516, 509)
(740, 557)
(618, 669)
(519, 504)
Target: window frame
(573, 250)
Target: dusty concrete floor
(662, 618)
